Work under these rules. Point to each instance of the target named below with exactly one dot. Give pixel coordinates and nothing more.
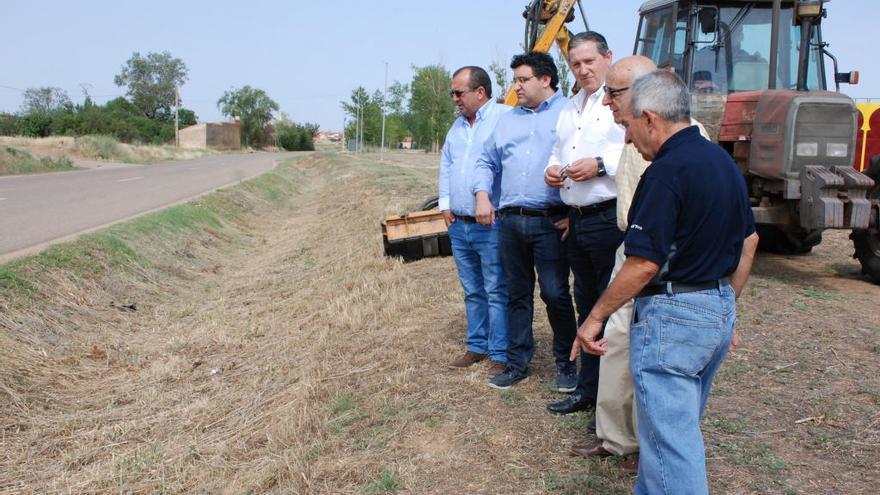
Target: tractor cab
(729, 46)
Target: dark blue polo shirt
(690, 212)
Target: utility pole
(357, 129)
(177, 116)
(384, 99)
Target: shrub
(295, 137)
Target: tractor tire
(431, 203)
(867, 244)
(774, 239)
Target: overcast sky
(309, 55)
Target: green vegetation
(147, 115)
(296, 137)
(152, 83)
(15, 161)
(388, 482)
(421, 109)
(254, 107)
(118, 118)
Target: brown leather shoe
(594, 449)
(630, 464)
(468, 359)
(496, 367)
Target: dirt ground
(284, 354)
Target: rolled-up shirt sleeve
(652, 226)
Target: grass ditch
(257, 341)
(14, 161)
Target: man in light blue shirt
(474, 246)
(533, 218)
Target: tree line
(421, 109)
(146, 114)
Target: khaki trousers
(615, 408)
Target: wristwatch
(601, 167)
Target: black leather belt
(534, 212)
(682, 287)
(466, 218)
(594, 208)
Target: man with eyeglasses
(474, 246)
(583, 166)
(533, 218)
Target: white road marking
(129, 179)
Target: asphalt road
(39, 210)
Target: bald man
(616, 427)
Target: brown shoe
(468, 359)
(594, 449)
(631, 464)
(496, 368)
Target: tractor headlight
(807, 149)
(837, 150)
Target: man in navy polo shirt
(689, 247)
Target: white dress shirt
(586, 129)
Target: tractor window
(735, 56)
(654, 36)
(789, 50)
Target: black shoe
(591, 425)
(572, 403)
(508, 378)
(566, 377)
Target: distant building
(328, 137)
(215, 136)
(405, 143)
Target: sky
(308, 56)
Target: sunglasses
(456, 93)
(614, 92)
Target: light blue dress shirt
(463, 145)
(518, 150)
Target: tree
(45, 100)
(500, 72)
(152, 82)
(431, 108)
(367, 108)
(562, 68)
(254, 107)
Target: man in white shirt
(583, 165)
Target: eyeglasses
(614, 92)
(522, 80)
(456, 93)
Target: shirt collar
(481, 113)
(580, 99)
(544, 105)
(483, 109)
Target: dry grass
(278, 351)
(98, 148)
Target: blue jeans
(475, 250)
(593, 240)
(677, 344)
(529, 244)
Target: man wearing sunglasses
(583, 166)
(474, 246)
